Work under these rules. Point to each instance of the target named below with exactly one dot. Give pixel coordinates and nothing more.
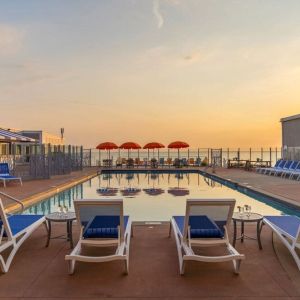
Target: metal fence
(44, 161)
(94, 157)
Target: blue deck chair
(286, 167)
(5, 174)
(287, 228)
(102, 224)
(272, 171)
(205, 223)
(264, 170)
(291, 169)
(294, 171)
(14, 230)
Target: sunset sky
(212, 73)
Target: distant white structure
(291, 137)
(43, 137)
(290, 131)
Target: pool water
(156, 196)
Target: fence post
(270, 156)
(262, 154)
(238, 154)
(90, 157)
(81, 157)
(276, 153)
(250, 154)
(69, 159)
(49, 160)
(208, 156)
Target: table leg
(49, 233)
(70, 233)
(258, 229)
(234, 233)
(242, 232)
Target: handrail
(14, 199)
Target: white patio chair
(205, 224)
(102, 224)
(287, 228)
(14, 230)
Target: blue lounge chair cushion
(201, 226)
(103, 227)
(19, 222)
(4, 169)
(7, 176)
(288, 224)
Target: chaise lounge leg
(72, 266)
(182, 267)
(236, 265)
(170, 229)
(126, 266)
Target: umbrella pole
(99, 158)
(128, 153)
(178, 153)
(158, 154)
(148, 155)
(188, 154)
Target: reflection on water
(152, 196)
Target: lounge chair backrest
(277, 163)
(294, 165)
(217, 210)
(4, 222)
(282, 163)
(86, 210)
(4, 169)
(288, 164)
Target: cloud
(11, 39)
(157, 14)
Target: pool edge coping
(39, 197)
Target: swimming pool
(156, 196)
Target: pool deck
(41, 273)
(35, 190)
(286, 190)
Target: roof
(11, 136)
(294, 117)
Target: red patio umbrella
(129, 146)
(178, 145)
(153, 145)
(107, 146)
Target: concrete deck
(284, 189)
(36, 190)
(41, 273)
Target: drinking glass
(248, 210)
(241, 211)
(59, 210)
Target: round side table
(68, 218)
(253, 218)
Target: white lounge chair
(5, 175)
(102, 224)
(287, 228)
(14, 230)
(205, 224)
